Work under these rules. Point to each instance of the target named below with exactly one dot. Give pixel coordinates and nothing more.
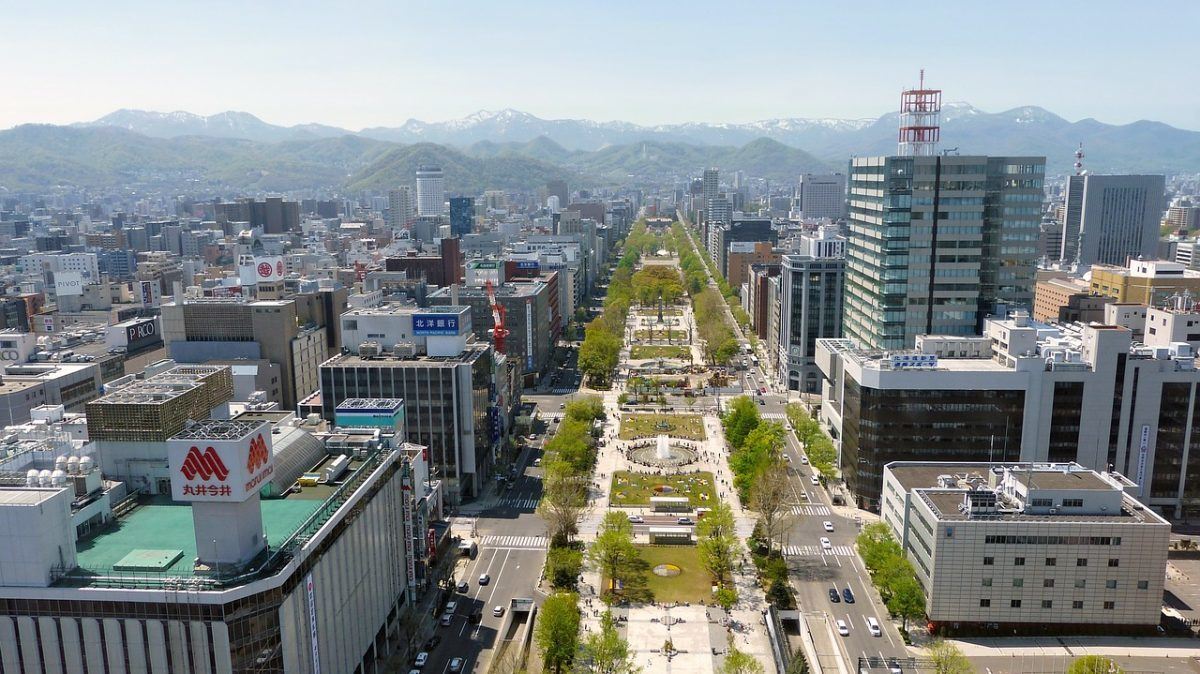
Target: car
(804, 495)
(433, 642)
(825, 544)
(463, 586)
(834, 597)
(456, 664)
(562, 406)
(828, 526)
(446, 619)
(894, 667)
(813, 479)
(451, 607)
(843, 628)
(873, 627)
(498, 611)
(847, 595)
(636, 519)
(537, 461)
(686, 521)
(787, 457)
(804, 459)
(476, 617)
(421, 659)
(485, 579)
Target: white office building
(1036, 548)
(821, 196)
(431, 191)
(1117, 218)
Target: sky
(362, 64)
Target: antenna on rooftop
(920, 110)
(1079, 160)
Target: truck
(468, 549)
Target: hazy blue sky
(380, 63)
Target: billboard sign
(68, 283)
(141, 333)
(435, 324)
(268, 268)
(220, 469)
(148, 294)
(528, 264)
(910, 361)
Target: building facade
(1147, 282)
(1118, 217)
(822, 196)
(810, 302)
(431, 191)
(936, 244)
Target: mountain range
(510, 149)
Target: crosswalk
(564, 390)
(816, 551)
(812, 510)
(519, 502)
(515, 542)
(777, 416)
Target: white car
(828, 526)
(825, 544)
(804, 459)
(498, 611)
(813, 479)
(422, 658)
(447, 618)
(636, 519)
(873, 627)
(842, 628)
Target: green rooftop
(160, 525)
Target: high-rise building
(400, 207)
(811, 288)
(710, 185)
(431, 191)
(558, 188)
(462, 215)
(1111, 219)
(909, 272)
(822, 196)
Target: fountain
(664, 448)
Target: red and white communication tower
(1079, 160)
(920, 109)
(499, 332)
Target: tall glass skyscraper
(938, 243)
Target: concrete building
(1030, 392)
(1118, 217)
(1183, 217)
(1028, 548)
(442, 269)
(326, 582)
(532, 334)
(1067, 300)
(811, 291)
(447, 406)
(742, 254)
(910, 273)
(1145, 282)
(401, 206)
(822, 196)
(462, 215)
(431, 191)
(25, 386)
(756, 298)
(710, 187)
(296, 334)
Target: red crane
(499, 332)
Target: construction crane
(499, 332)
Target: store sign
(410, 549)
(528, 334)
(68, 283)
(212, 469)
(312, 623)
(268, 268)
(913, 361)
(147, 288)
(435, 324)
(141, 332)
(527, 264)
(1143, 450)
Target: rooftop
(218, 429)
(945, 503)
(471, 351)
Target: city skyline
(420, 62)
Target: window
(949, 532)
(1072, 503)
(1110, 584)
(1077, 604)
(988, 561)
(1114, 562)
(1042, 502)
(1018, 582)
(1143, 585)
(1015, 603)
(1080, 583)
(1081, 561)
(1052, 561)
(984, 603)
(1110, 605)
(1018, 561)
(1048, 582)
(987, 582)
(1046, 603)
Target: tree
(557, 630)
(716, 542)
(739, 662)
(726, 597)
(605, 652)
(947, 659)
(563, 498)
(613, 552)
(585, 408)
(563, 566)
(771, 497)
(907, 600)
(1094, 664)
(741, 418)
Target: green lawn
(635, 489)
(692, 585)
(642, 351)
(687, 427)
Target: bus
(754, 360)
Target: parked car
(456, 664)
(446, 619)
(463, 586)
(422, 658)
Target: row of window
(1047, 603)
(1050, 561)
(1054, 540)
(1080, 583)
